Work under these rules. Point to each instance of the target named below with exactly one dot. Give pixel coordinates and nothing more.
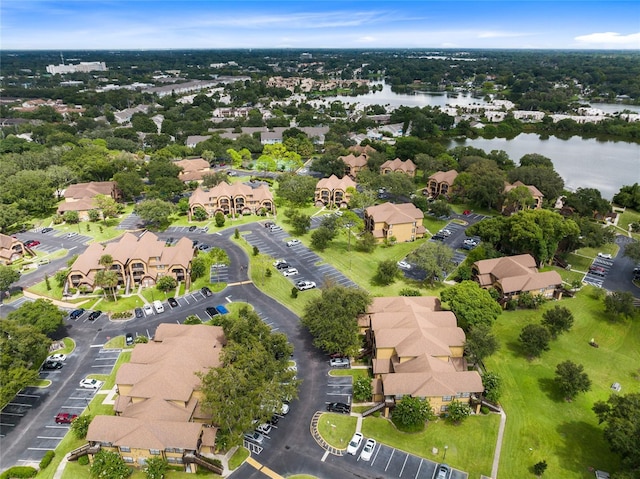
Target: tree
(632, 250)
(321, 238)
(366, 243)
(458, 411)
(518, 198)
(107, 205)
(588, 202)
(332, 319)
(198, 267)
(534, 339)
(166, 284)
(480, 343)
(487, 183)
(539, 468)
(108, 281)
(492, 384)
(387, 272)
(129, 183)
(41, 313)
(628, 196)
(297, 189)
(80, 426)
(621, 413)
(200, 214)
(571, 379)
(619, 303)
(300, 223)
(109, 465)
(362, 390)
(547, 180)
(471, 304)
(8, 276)
(9, 215)
(214, 179)
(434, 258)
(219, 219)
(410, 413)
(156, 468)
(557, 320)
(154, 212)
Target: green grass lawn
(628, 217)
(238, 458)
(578, 262)
(470, 445)
(541, 425)
(337, 429)
(354, 373)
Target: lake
(588, 163)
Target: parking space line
(49, 437)
(390, 457)
(419, 467)
(28, 395)
(404, 464)
(376, 455)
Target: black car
(206, 291)
(339, 407)
(128, 339)
(76, 313)
(211, 311)
(274, 420)
(192, 228)
(50, 365)
(170, 241)
(203, 246)
(94, 315)
(283, 266)
(139, 313)
(46, 230)
(172, 302)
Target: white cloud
(366, 39)
(610, 38)
(496, 34)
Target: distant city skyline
(227, 24)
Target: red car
(65, 418)
(466, 212)
(31, 243)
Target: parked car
(87, 383)
(404, 265)
(44, 261)
(52, 365)
(274, 420)
(206, 291)
(339, 407)
(264, 428)
(255, 437)
(158, 306)
(172, 302)
(290, 272)
(445, 232)
(604, 255)
(204, 229)
(354, 444)
(269, 224)
(72, 234)
(597, 270)
(284, 409)
(339, 362)
(367, 450)
(275, 228)
(278, 261)
(128, 339)
(57, 357)
(169, 242)
(443, 471)
(293, 242)
(46, 230)
(139, 313)
(192, 228)
(304, 285)
(94, 315)
(65, 418)
(282, 266)
(31, 243)
(148, 309)
(76, 313)
(211, 311)
(203, 246)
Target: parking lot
(598, 271)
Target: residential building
(514, 275)
(354, 164)
(332, 191)
(193, 170)
(137, 261)
(417, 351)
(535, 193)
(390, 222)
(407, 167)
(11, 249)
(440, 183)
(83, 67)
(80, 197)
(159, 404)
(365, 150)
(237, 199)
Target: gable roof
(335, 183)
(399, 165)
(89, 190)
(535, 192)
(392, 214)
(515, 273)
(354, 161)
(444, 176)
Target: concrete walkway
(496, 454)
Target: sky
(305, 24)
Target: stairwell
(200, 461)
(82, 451)
(373, 409)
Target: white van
(157, 305)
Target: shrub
(19, 472)
(484, 409)
(294, 292)
(410, 292)
(46, 459)
(83, 460)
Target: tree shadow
(582, 447)
(516, 348)
(549, 387)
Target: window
(172, 460)
(154, 452)
(447, 398)
(444, 408)
(127, 459)
(125, 449)
(465, 395)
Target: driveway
(621, 272)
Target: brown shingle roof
(354, 161)
(335, 183)
(89, 190)
(446, 176)
(515, 273)
(392, 214)
(399, 165)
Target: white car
(339, 363)
(148, 309)
(604, 255)
(304, 285)
(367, 450)
(290, 272)
(284, 410)
(354, 444)
(87, 383)
(404, 265)
(293, 242)
(264, 428)
(278, 262)
(71, 235)
(57, 357)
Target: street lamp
(445, 453)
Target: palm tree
(108, 278)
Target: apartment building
(332, 191)
(236, 198)
(391, 222)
